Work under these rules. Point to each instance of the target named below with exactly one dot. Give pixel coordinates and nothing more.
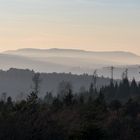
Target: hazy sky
(96, 25)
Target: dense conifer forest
(111, 113)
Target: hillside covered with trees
(111, 113)
(17, 83)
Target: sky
(96, 25)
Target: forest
(109, 113)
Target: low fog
(70, 60)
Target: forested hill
(18, 83)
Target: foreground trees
(106, 114)
(34, 120)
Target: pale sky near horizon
(97, 25)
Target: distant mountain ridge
(32, 50)
(71, 60)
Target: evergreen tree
(133, 88)
(36, 81)
(68, 98)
